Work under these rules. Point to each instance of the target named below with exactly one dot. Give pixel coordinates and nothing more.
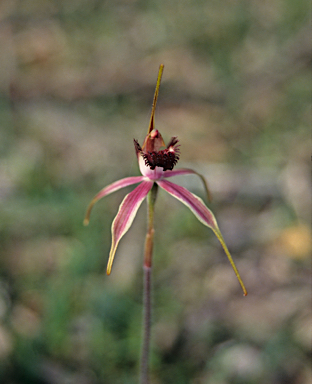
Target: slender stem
(148, 254)
(147, 326)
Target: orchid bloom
(156, 163)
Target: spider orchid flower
(156, 163)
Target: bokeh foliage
(77, 80)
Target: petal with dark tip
(122, 183)
(125, 216)
(203, 214)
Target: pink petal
(110, 189)
(187, 171)
(195, 204)
(203, 214)
(124, 218)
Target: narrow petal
(110, 189)
(187, 171)
(203, 214)
(124, 218)
(192, 201)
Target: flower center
(166, 158)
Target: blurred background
(77, 79)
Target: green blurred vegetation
(77, 79)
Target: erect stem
(146, 326)
(148, 254)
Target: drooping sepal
(125, 216)
(187, 171)
(203, 214)
(110, 189)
